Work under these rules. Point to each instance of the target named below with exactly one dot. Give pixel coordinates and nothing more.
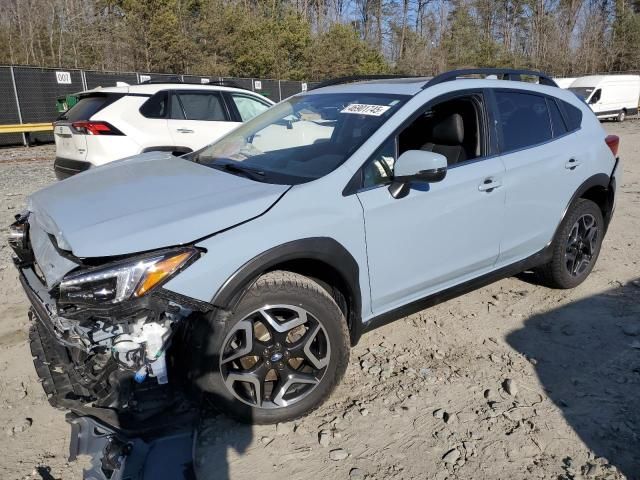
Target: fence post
(15, 93)
(84, 80)
(279, 91)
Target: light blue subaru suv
(244, 272)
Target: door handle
(489, 184)
(185, 130)
(571, 164)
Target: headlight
(18, 232)
(122, 281)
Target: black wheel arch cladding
(600, 188)
(321, 258)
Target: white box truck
(609, 96)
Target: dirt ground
(512, 381)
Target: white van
(564, 82)
(609, 96)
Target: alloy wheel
(581, 245)
(275, 356)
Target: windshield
(582, 92)
(302, 138)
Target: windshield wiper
(247, 171)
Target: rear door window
(176, 109)
(524, 119)
(88, 106)
(202, 106)
(557, 122)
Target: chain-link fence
(28, 94)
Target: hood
(149, 201)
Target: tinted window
(571, 114)
(88, 107)
(176, 108)
(202, 106)
(557, 122)
(156, 106)
(248, 107)
(524, 119)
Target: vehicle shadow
(216, 435)
(187, 440)
(587, 357)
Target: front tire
(622, 116)
(576, 246)
(280, 354)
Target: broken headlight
(125, 280)
(18, 232)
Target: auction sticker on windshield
(363, 109)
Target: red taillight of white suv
(88, 127)
(613, 142)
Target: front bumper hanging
(118, 457)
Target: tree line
(317, 39)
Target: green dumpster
(65, 102)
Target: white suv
(111, 123)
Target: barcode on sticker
(362, 109)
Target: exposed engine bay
(104, 331)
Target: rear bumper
(66, 167)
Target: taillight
(613, 142)
(95, 128)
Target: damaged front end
(104, 330)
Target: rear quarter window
(524, 119)
(88, 106)
(157, 106)
(572, 115)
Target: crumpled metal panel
(53, 265)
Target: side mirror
(416, 166)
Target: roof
(412, 85)
(151, 88)
(594, 80)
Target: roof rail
(172, 80)
(500, 73)
(358, 78)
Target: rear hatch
(70, 129)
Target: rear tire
(622, 116)
(575, 247)
(279, 355)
